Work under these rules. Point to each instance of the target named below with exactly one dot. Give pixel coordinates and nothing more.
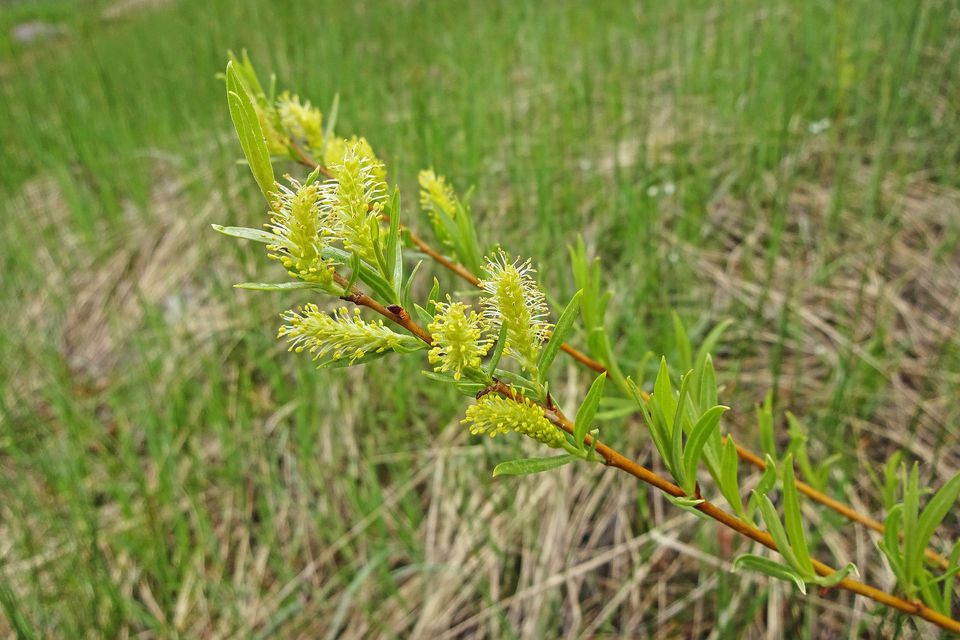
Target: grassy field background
(167, 470)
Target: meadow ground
(166, 469)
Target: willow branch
(613, 458)
(744, 454)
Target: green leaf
(890, 545)
(911, 505)
(890, 479)
(776, 530)
(663, 393)
(933, 514)
(497, 351)
(279, 286)
(246, 233)
(770, 568)
(247, 125)
(834, 578)
(393, 249)
(676, 435)
(683, 342)
(471, 255)
(702, 430)
(434, 296)
(587, 410)
(708, 384)
(524, 466)
(953, 566)
(729, 483)
(560, 333)
(406, 299)
(657, 432)
(793, 520)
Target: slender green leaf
(279, 286)
(246, 233)
(770, 568)
(560, 333)
(247, 125)
(393, 249)
(953, 566)
(676, 433)
(524, 466)
(663, 392)
(729, 483)
(587, 410)
(776, 530)
(890, 545)
(497, 351)
(942, 502)
(702, 430)
(793, 519)
(911, 506)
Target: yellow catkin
(458, 338)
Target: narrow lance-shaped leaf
(933, 514)
(663, 392)
(394, 250)
(278, 286)
(560, 333)
(524, 466)
(497, 351)
(911, 505)
(771, 568)
(793, 520)
(654, 426)
(676, 439)
(247, 125)
(729, 483)
(246, 233)
(701, 433)
(775, 528)
(891, 541)
(587, 410)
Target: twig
(615, 459)
(744, 454)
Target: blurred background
(168, 470)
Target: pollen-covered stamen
(296, 219)
(351, 199)
(340, 335)
(459, 342)
(514, 299)
(338, 149)
(493, 414)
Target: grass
(168, 470)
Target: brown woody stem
(615, 459)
